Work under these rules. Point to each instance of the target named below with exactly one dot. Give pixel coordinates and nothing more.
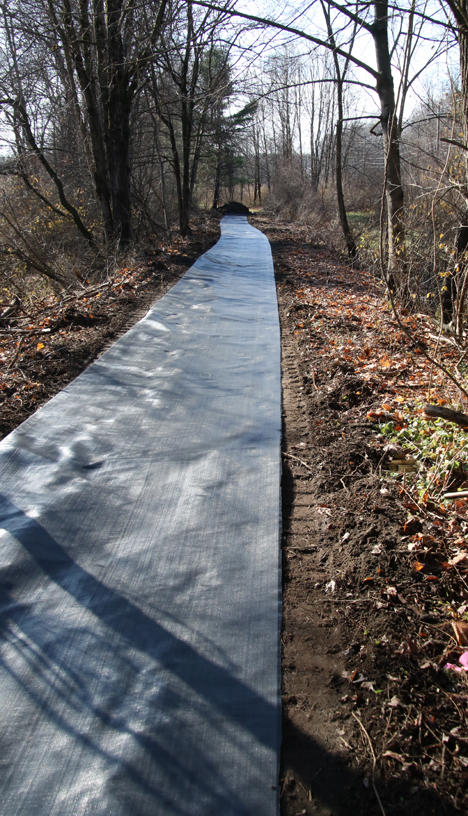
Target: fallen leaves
(408, 647)
(405, 585)
(460, 629)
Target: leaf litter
(381, 583)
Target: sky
(433, 80)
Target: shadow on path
(207, 679)
(99, 691)
(335, 788)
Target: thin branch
(290, 455)
(454, 142)
(291, 30)
(374, 762)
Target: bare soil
(372, 724)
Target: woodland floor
(372, 723)
(46, 345)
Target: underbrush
(431, 454)
(40, 249)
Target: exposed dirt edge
(348, 614)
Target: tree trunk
(453, 296)
(163, 178)
(348, 236)
(118, 98)
(463, 46)
(462, 232)
(76, 58)
(184, 214)
(119, 165)
(258, 180)
(388, 120)
(340, 75)
(217, 184)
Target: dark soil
(368, 710)
(234, 208)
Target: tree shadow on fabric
(102, 691)
(85, 685)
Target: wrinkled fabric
(139, 563)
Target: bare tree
(377, 28)
(192, 79)
(98, 55)
(340, 77)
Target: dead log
(437, 411)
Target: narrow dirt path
(314, 770)
(359, 679)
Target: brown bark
(388, 120)
(217, 184)
(434, 411)
(118, 96)
(107, 71)
(75, 44)
(340, 76)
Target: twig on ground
(343, 600)
(441, 339)
(298, 460)
(460, 494)
(16, 355)
(346, 743)
(24, 331)
(374, 760)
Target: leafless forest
(121, 120)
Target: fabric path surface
(139, 563)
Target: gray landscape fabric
(140, 592)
